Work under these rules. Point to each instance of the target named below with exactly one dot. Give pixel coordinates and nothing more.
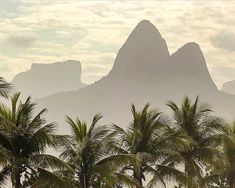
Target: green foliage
(223, 169)
(153, 141)
(4, 88)
(193, 149)
(89, 154)
(204, 134)
(23, 141)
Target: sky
(47, 31)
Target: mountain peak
(146, 50)
(191, 50)
(145, 29)
(145, 22)
(189, 62)
(191, 47)
(146, 25)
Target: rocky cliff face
(229, 87)
(143, 71)
(46, 79)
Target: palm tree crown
(91, 158)
(23, 140)
(223, 169)
(152, 140)
(204, 135)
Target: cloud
(9, 8)
(5, 67)
(20, 41)
(9, 66)
(93, 31)
(224, 40)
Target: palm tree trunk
(17, 183)
(138, 177)
(232, 183)
(84, 181)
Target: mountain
(229, 87)
(46, 79)
(143, 71)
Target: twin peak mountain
(144, 59)
(143, 71)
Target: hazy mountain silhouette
(143, 71)
(229, 87)
(46, 79)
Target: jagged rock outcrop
(46, 79)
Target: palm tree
(229, 156)
(223, 169)
(91, 157)
(151, 139)
(4, 88)
(204, 135)
(23, 141)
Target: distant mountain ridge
(46, 79)
(229, 87)
(143, 71)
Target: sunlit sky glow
(93, 31)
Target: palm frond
(49, 161)
(50, 179)
(4, 87)
(125, 180)
(96, 118)
(4, 175)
